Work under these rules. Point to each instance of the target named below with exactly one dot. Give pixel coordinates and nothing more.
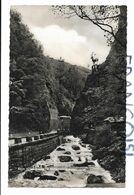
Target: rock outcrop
(103, 96)
(40, 87)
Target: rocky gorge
(100, 112)
(94, 153)
(70, 165)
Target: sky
(71, 39)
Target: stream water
(69, 165)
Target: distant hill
(65, 84)
(37, 82)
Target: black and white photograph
(67, 96)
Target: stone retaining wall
(24, 152)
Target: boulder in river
(80, 165)
(56, 173)
(85, 164)
(75, 147)
(94, 179)
(62, 170)
(60, 179)
(31, 174)
(46, 157)
(71, 172)
(65, 158)
(83, 145)
(91, 163)
(60, 149)
(67, 152)
(47, 177)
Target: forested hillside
(38, 82)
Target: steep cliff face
(38, 83)
(103, 96)
(104, 92)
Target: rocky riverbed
(69, 165)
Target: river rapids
(69, 165)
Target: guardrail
(27, 139)
(25, 151)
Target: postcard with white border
(67, 96)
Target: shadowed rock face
(104, 95)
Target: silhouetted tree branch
(104, 17)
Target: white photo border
(5, 98)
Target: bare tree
(106, 18)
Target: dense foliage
(38, 82)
